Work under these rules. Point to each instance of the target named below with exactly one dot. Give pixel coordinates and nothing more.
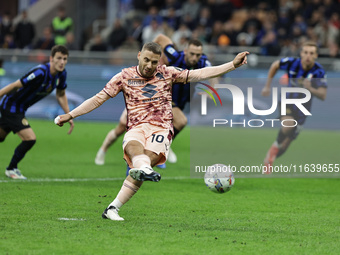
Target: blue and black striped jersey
(180, 92)
(297, 74)
(37, 84)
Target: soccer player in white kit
(147, 92)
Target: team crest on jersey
(24, 122)
(31, 77)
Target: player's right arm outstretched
(86, 107)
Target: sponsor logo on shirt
(136, 82)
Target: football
(219, 178)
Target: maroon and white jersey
(148, 100)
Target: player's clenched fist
(240, 59)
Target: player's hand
(265, 91)
(61, 119)
(240, 59)
(71, 127)
(307, 83)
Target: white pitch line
(85, 179)
(163, 178)
(71, 219)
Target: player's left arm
(62, 100)
(216, 71)
(10, 87)
(163, 41)
(320, 84)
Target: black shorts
(296, 114)
(13, 121)
(176, 105)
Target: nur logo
(239, 100)
(209, 93)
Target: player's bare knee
(180, 123)
(288, 130)
(133, 148)
(183, 123)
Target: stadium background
(58, 209)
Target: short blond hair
(312, 44)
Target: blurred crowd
(276, 27)
(23, 34)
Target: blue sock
(19, 153)
(162, 166)
(127, 170)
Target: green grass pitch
(58, 209)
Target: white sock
(126, 192)
(116, 203)
(141, 160)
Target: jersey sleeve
(171, 53)
(114, 86)
(285, 63)
(319, 78)
(178, 75)
(62, 81)
(33, 76)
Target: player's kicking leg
(150, 140)
(141, 162)
(141, 158)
